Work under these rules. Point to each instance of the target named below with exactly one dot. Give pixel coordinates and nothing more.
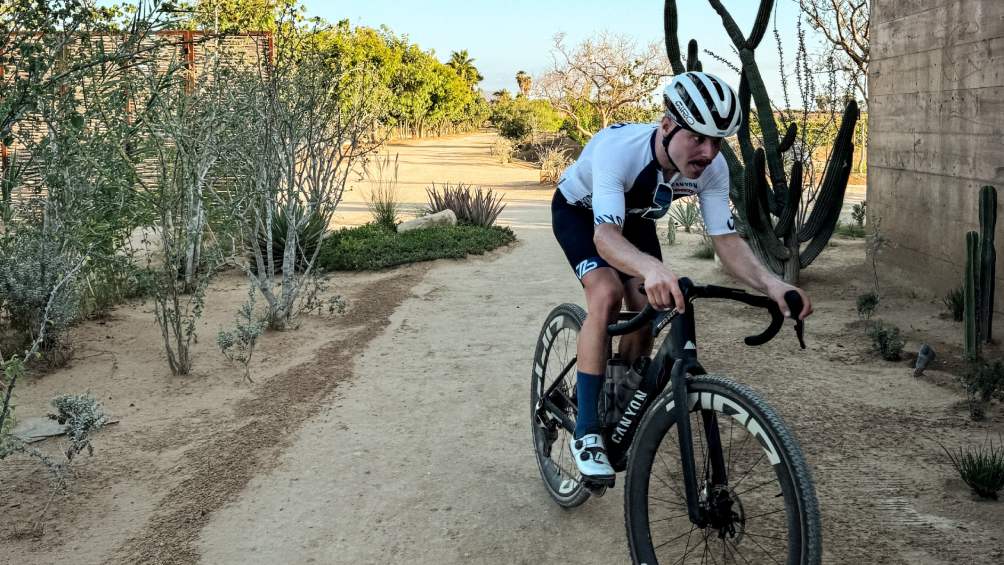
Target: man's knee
(605, 295)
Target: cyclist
(603, 216)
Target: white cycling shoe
(591, 457)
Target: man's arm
(661, 284)
(739, 259)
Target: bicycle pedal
(598, 486)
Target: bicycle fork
(686, 364)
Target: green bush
(886, 341)
(31, 267)
(866, 304)
(858, 212)
(372, 247)
(981, 468)
(956, 304)
(852, 231)
(982, 381)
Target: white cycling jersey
(618, 174)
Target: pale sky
(504, 37)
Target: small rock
(444, 218)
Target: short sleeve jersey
(618, 175)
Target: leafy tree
(603, 74)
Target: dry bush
(553, 162)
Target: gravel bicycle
(721, 481)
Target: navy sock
(588, 389)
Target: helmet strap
(665, 145)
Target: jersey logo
(583, 268)
(732, 222)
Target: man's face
(692, 152)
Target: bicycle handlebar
(692, 291)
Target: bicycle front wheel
(765, 511)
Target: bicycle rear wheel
(552, 416)
(766, 512)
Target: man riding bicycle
(603, 216)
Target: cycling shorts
(573, 228)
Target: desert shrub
(110, 280)
(982, 381)
(704, 250)
(83, 416)
(852, 231)
(866, 304)
(503, 149)
(858, 212)
(237, 344)
(32, 266)
(372, 247)
(956, 304)
(472, 205)
(982, 468)
(886, 340)
(686, 213)
(553, 162)
(382, 200)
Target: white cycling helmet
(702, 103)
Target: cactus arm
(988, 260)
(790, 212)
(692, 61)
(828, 207)
(789, 138)
(757, 215)
(760, 25)
(765, 116)
(730, 24)
(831, 192)
(671, 20)
(969, 296)
(745, 141)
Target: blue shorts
(573, 227)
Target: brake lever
(794, 301)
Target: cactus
(969, 317)
(760, 189)
(988, 259)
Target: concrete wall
(936, 102)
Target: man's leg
(604, 294)
(638, 343)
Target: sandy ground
(399, 432)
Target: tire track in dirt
(216, 470)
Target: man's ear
(667, 124)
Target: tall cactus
(988, 259)
(778, 242)
(970, 319)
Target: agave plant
(982, 468)
(472, 205)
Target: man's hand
(776, 292)
(663, 289)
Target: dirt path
(425, 456)
(421, 452)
